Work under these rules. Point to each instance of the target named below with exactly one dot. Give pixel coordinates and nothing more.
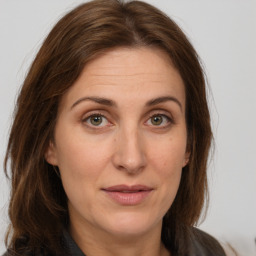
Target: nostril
(129, 154)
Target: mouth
(128, 195)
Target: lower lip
(128, 198)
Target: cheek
(81, 162)
(167, 160)
(80, 173)
(81, 155)
(169, 155)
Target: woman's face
(120, 142)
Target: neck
(97, 242)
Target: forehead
(129, 73)
(131, 62)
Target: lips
(128, 189)
(128, 195)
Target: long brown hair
(38, 205)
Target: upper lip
(127, 188)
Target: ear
(186, 159)
(50, 154)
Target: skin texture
(127, 146)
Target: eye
(159, 120)
(96, 120)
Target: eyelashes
(160, 120)
(100, 121)
(96, 120)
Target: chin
(131, 224)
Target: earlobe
(186, 159)
(50, 154)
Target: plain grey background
(224, 34)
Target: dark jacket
(199, 244)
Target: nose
(129, 155)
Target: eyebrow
(164, 99)
(99, 100)
(111, 103)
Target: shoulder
(204, 244)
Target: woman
(109, 144)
